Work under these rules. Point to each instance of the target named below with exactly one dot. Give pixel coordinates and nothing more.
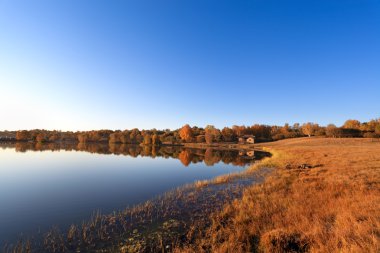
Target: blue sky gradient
(87, 64)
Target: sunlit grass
(323, 197)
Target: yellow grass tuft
(201, 183)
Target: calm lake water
(46, 185)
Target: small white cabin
(247, 139)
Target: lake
(42, 185)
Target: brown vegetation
(186, 133)
(324, 197)
(207, 135)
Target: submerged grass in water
(160, 224)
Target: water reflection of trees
(210, 156)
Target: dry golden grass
(332, 207)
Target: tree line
(207, 135)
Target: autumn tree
(332, 131)
(54, 137)
(319, 130)
(352, 124)
(124, 137)
(22, 135)
(147, 139)
(200, 139)
(218, 137)
(94, 136)
(209, 134)
(372, 127)
(134, 135)
(156, 140)
(33, 134)
(276, 133)
(41, 137)
(139, 138)
(309, 128)
(114, 138)
(287, 131)
(169, 139)
(239, 130)
(82, 137)
(186, 133)
(209, 137)
(377, 129)
(261, 131)
(228, 134)
(197, 131)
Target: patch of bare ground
(323, 197)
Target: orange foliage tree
(22, 135)
(352, 123)
(309, 128)
(186, 133)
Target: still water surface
(42, 186)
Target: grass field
(323, 197)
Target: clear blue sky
(78, 64)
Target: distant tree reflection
(210, 156)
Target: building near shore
(250, 139)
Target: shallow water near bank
(46, 185)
